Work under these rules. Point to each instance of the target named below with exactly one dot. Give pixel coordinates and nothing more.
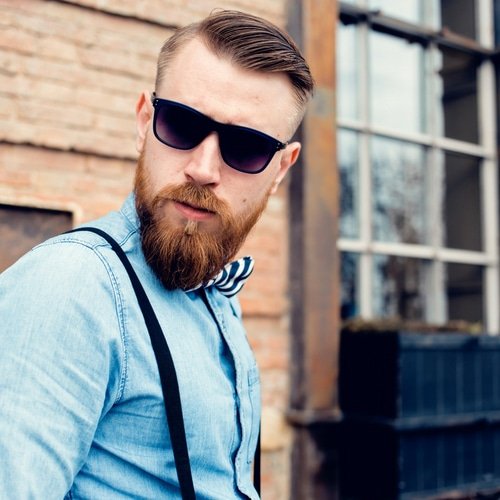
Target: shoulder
(64, 297)
(79, 255)
(73, 259)
(73, 271)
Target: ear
(288, 158)
(143, 114)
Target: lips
(195, 207)
(193, 212)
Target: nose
(205, 163)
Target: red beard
(186, 256)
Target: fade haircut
(248, 41)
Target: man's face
(195, 210)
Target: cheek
(249, 196)
(164, 165)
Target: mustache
(200, 197)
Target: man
(81, 406)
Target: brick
(15, 179)
(45, 91)
(39, 111)
(176, 13)
(269, 338)
(119, 61)
(275, 430)
(69, 66)
(58, 177)
(12, 38)
(56, 48)
(275, 388)
(275, 478)
(123, 127)
(8, 107)
(99, 99)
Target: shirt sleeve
(61, 366)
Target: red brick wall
(70, 75)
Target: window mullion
(366, 279)
(489, 172)
(435, 296)
(439, 306)
(489, 188)
(485, 23)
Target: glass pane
(409, 10)
(459, 16)
(496, 7)
(399, 190)
(497, 106)
(349, 184)
(350, 285)
(396, 83)
(399, 287)
(457, 99)
(21, 228)
(462, 202)
(465, 292)
(347, 84)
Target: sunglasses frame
(218, 127)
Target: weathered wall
(70, 73)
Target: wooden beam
(314, 263)
(314, 213)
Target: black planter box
(403, 374)
(402, 460)
(421, 415)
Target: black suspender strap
(168, 377)
(256, 466)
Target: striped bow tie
(232, 278)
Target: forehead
(228, 93)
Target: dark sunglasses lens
(245, 150)
(179, 127)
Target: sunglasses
(242, 148)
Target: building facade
(71, 72)
(401, 224)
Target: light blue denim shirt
(81, 408)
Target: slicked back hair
(249, 42)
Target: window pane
(497, 98)
(457, 99)
(399, 287)
(462, 202)
(409, 10)
(350, 284)
(399, 192)
(459, 16)
(465, 292)
(22, 228)
(496, 7)
(396, 83)
(347, 84)
(349, 184)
